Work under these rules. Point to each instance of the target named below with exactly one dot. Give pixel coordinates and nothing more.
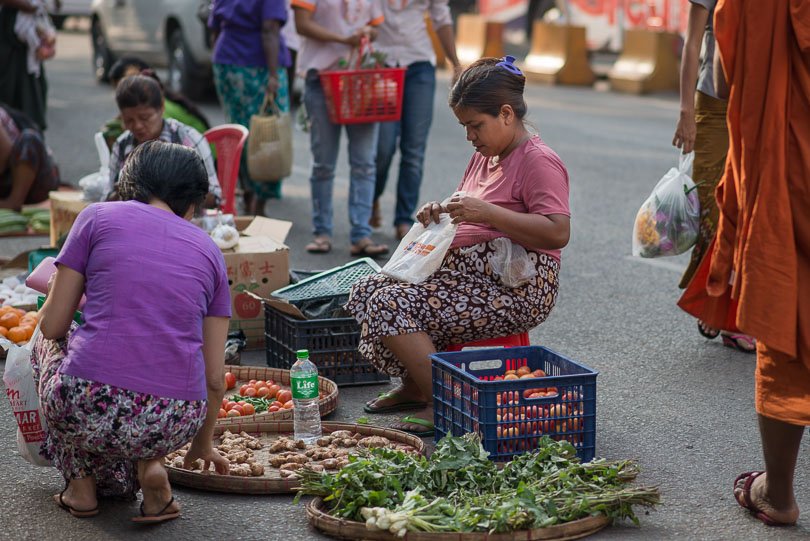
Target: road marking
(673, 267)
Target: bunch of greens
(260, 404)
(459, 490)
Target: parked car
(165, 33)
(62, 9)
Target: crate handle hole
(490, 364)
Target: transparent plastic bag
(511, 263)
(422, 251)
(668, 221)
(96, 186)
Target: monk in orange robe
(763, 241)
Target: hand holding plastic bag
(21, 390)
(668, 221)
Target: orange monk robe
(763, 238)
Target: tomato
(274, 389)
(259, 384)
(243, 389)
(224, 402)
(233, 413)
(274, 408)
(270, 382)
(230, 380)
(284, 396)
(229, 406)
(251, 382)
(222, 413)
(237, 408)
(263, 392)
(248, 409)
(288, 405)
(251, 391)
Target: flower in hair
(508, 63)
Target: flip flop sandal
(78, 513)
(319, 245)
(705, 331)
(417, 421)
(368, 248)
(742, 493)
(740, 342)
(157, 518)
(399, 406)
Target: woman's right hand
(685, 133)
(208, 454)
(430, 212)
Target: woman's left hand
(208, 454)
(465, 208)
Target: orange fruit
(5, 308)
(29, 330)
(17, 334)
(33, 313)
(9, 320)
(3, 331)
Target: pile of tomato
(256, 396)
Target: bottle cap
(302, 354)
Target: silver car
(165, 33)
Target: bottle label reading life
(305, 388)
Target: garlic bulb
(225, 236)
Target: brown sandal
(319, 245)
(368, 248)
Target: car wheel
(184, 75)
(102, 57)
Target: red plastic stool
(515, 340)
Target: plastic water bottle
(306, 413)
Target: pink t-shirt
(532, 179)
(150, 279)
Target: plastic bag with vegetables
(668, 221)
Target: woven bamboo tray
(357, 531)
(272, 482)
(328, 388)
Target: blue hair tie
(508, 63)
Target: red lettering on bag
(29, 424)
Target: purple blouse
(239, 23)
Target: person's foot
(751, 492)
(77, 501)
(708, 332)
(368, 248)
(319, 245)
(399, 399)
(157, 493)
(419, 424)
(740, 342)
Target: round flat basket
(271, 481)
(327, 387)
(357, 531)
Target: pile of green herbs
(458, 489)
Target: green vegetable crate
(511, 415)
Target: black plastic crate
(508, 415)
(332, 345)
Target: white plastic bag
(422, 251)
(96, 186)
(668, 221)
(21, 391)
(511, 263)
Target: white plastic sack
(668, 221)
(24, 398)
(511, 263)
(422, 251)
(96, 186)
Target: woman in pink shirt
(144, 374)
(515, 187)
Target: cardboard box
(65, 208)
(259, 264)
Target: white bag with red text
(422, 251)
(22, 394)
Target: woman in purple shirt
(250, 58)
(144, 373)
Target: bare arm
(690, 64)
(448, 41)
(63, 298)
(215, 332)
(270, 44)
(5, 148)
(720, 84)
(308, 28)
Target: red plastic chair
(228, 140)
(515, 340)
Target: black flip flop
(78, 513)
(708, 335)
(157, 518)
(399, 406)
(409, 420)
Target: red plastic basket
(364, 95)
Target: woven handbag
(269, 154)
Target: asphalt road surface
(683, 406)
